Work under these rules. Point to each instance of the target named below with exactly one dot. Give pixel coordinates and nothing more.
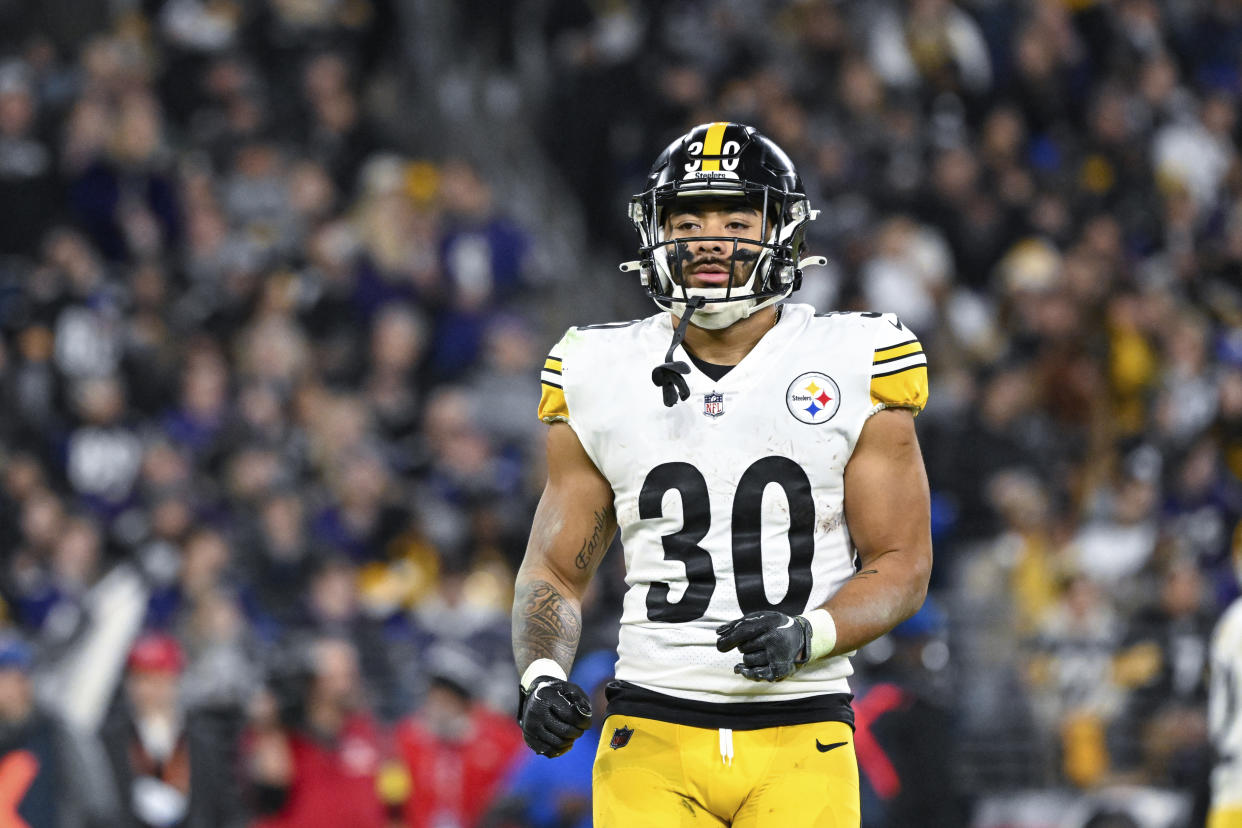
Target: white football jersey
(1225, 709)
(732, 500)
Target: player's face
(708, 258)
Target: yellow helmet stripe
(712, 144)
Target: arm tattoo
(591, 545)
(865, 573)
(545, 625)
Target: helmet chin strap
(717, 315)
(670, 376)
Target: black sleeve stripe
(552, 384)
(893, 359)
(879, 351)
(899, 370)
(551, 371)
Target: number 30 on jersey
(747, 525)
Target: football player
(1225, 710)
(760, 460)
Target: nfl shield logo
(713, 404)
(621, 737)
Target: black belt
(626, 699)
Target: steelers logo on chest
(813, 398)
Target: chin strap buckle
(817, 261)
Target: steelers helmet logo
(813, 398)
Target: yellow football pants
(674, 775)
(1220, 817)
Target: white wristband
(823, 633)
(542, 667)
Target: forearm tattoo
(545, 625)
(592, 545)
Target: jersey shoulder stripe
(907, 364)
(581, 349)
(552, 406)
(899, 366)
(896, 352)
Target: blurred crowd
(266, 362)
(275, 362)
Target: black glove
(552, 714)
(772, 643)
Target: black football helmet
(723, 160)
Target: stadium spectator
(1163, 662)
(904, 727)
(463, 611)
(171, 765)
(126, 199)
(45, 772)
(484, 255)
(52, 592)
(457, 750)
(314, 752)
(276, 571)
(29, 185)
(334, 609)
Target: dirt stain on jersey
(830, 523)
(627, 513)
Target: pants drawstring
(726, 746)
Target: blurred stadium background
(276, 278)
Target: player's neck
(728, 346)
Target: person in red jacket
(316, 756)
(457, 750)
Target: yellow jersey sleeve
(898, 368)
(552, 407)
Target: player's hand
(554, 713)
(773, 645)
